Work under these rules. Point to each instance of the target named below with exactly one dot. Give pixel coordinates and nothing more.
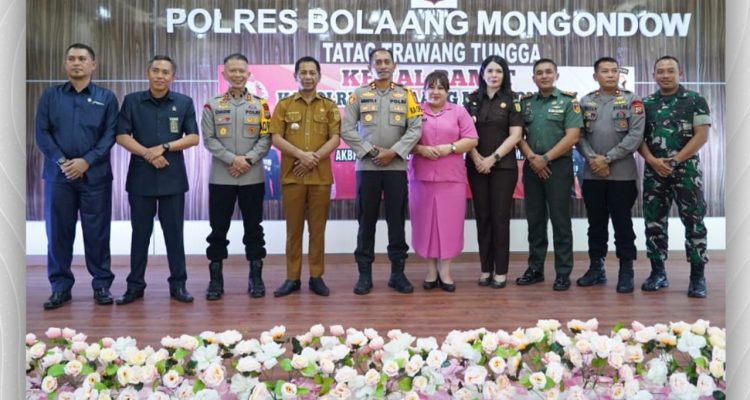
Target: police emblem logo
(222, 131)
(251, 130)
(174, 125)
(503, 105)
(397, 118)
(637, 107)
(352, 99)
(368, 117)
(622, 124)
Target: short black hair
(160, 57)
(439, 77)
(667, 57)
(603, 60)
(542, 61)
(235, 56)
(372, 53)
(306, 59)
(81, 46)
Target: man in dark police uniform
(155, 126)
(75, 130)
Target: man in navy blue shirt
(75, 130)
(155, 126)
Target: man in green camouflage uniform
(553, 122)
(677, 124)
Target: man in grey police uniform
(235, 131)
(614, 120)
(382, 123)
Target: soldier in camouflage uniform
(677, 124)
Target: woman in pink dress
(437, 182)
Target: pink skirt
(437, 212)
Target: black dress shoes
(181, 295)
(485, 281)
(318, 287)
(57, 299)
(102, 296)
(497, 284)
(448, 287)
(429, 285)
(530, 277)
(287, 288)
(129, 297)
(562, 282)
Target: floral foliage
(547, 361)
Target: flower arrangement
(548, 361)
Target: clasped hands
(155, 156)
(539, 166)
(431, 152)
(599, 165)
(75, 168)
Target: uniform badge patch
(352, 99)
(622, 124)
(222, 131)
(174, 125)
(251, 129)
(518, 107)
(368, 117)
(576, 108)
(397, 117)
(503, 105)
(637, 107)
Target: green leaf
(639, 369)
(550, 383)
(326, 386)
(536, 359)
(617, 327)
(52, 396)
(180, 354)
(277, 390)
(111, 370)
(379, 392)
(525, 382)
(86, 370)
(400, 362)
(101, 386)
(179, 369)
(56, 370)
(286, 365)
(161, 366)
(301, 391)
(348, 361)
(719, 395)
(598, 362)
(198, 386)
(309, 370)
(296, 346)
(701, 362)
(405, 384)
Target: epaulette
(324, 97)
(527, 96)
(569, 94)
(592, 93)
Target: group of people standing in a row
(78, 122)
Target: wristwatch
(497, 157)
(545, 158)
(374, 152)
(453, 148)
(607, 160)
(673, 163)
(165, 146)
(61, 161)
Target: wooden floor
(423, 313)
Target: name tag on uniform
(174, 125)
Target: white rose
(66, 396)
(678, 328)
(128, 394)
(288, 390)
(248, 364)
(341, 391)
(370, 333)
(68, 333)
(327, 366)
(642, 395)
(625, 334)
(575, 393)
(705, 385)
(502, 382)
(625, 373)
(136, 357)
(390, 368)
(317, 330)
(78, 347)
(679, 383)
(463, 394)
(356, 339)
(171, 379)
(73, 368)
(661, 328)
(552, 394)
(49, 384)
(278, 332)
(562, 339)
(475, 375)
(617, 391)
(657, 372)
(51, 359)
(185, 391)
(157, 396)
(645, 335)
(188, 342)
(490, 342)
(107, 355)
(513, 364)
(497, 365)
(414, 365)
(345, 374)
(534, 335)
(213, 376)
(92, 379)
(691, 344)
(548, 325)
(700, 327)
(372, 377)
(427, 344)
(634, 354)
(299, 362)
(412, 395)
(490, 390)
(377, 342)
(436, 358)
(538, 380)
(207, 394)
(716, 368)
(30, 339)
(92, 351)
(583, 346)
(719, 354)
(337, 330)
(615, 360)
(419, 383)
(555, 372)
(339, 352)
(260, 392)
(37, 351)
(230, 337)
(124, 375)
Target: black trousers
(221, 199)
(610, 199)
(394, 190)
(492, 196)
(172, 217)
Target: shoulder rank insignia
(569, 94)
